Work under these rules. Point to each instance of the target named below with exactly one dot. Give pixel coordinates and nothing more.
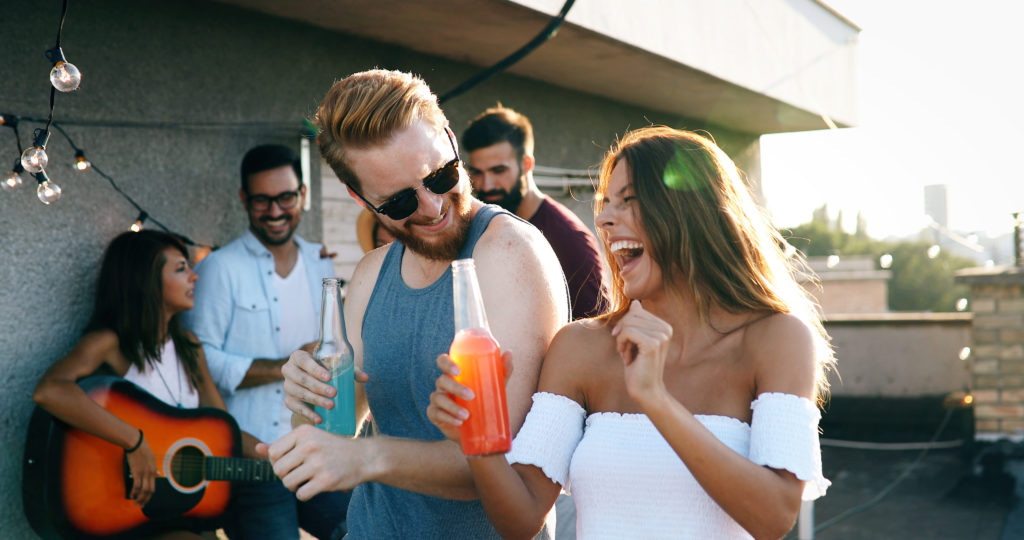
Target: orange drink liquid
(486, 430)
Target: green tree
(818, 239)
(918, 282)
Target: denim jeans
(269, 511)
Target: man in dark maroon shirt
(500, 146)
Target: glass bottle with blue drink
(334, 353)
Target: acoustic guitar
(76, 485)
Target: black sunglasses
(285, 200)
(404, 203)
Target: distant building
(849, 285)
(936, 203)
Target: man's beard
(448, 247)
(266, 239)
(510, 200)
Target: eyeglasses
(285, 200)
(404, 203)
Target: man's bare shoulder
(515, 245)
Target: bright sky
(941, 102)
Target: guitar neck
(239, 469)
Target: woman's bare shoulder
(781, 350)
(90, 352)
(98, 341)
(576, 353)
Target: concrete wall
(904, 355)
(173, 93)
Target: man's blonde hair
(368, 108)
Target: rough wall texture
(997, 355)
(173, 93)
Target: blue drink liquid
(340, 420)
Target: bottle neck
(469, 305)
(332, 329)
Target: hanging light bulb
(64, 76)
(13, 180)
(934, 251)
(137, 226)
(34, 159)
(832, 261)
(48, 192)
(81, 163)
(885, 261)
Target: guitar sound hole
(187, 466)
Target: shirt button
(275, 423)
(269, 272)
(254, 306)
(275, 299)
(278, 328)
(278, 390)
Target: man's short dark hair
(266, 157)
(497, 125)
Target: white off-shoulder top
(626, 480)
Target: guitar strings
(191, 463)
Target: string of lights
(66, 77)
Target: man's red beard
(439, 248)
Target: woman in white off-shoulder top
(689, 410)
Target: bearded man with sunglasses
(386, 138)
(257, 300)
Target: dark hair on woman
(130, 300)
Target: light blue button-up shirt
(237, 317)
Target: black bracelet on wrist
(137, 445)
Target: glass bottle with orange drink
(478, 356)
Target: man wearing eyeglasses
(387, 139)
(257, 300)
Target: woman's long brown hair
(706, 233)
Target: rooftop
(949, 493)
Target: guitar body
(76, 485)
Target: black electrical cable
(63, 16)
(59, 128)
(187, 240)
(547, 33)
(57, 52)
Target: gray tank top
(404, 330)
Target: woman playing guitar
(145, 282)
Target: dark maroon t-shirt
(579, 254)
